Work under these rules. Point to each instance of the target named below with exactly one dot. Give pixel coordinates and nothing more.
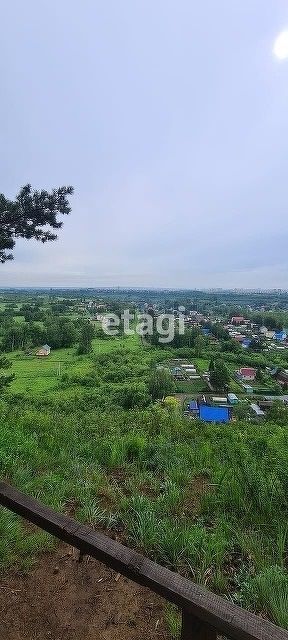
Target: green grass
(209, 501)
(201, 499)
(191, 386)
(41, 374)
(37, 375)
(202, 364)
(132, 343)
(19, 319)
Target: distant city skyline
(145, 289)
(171, 122)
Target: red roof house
(247, 373)
(237, 320)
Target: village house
(177, 373)
(232, 398)
(214, 414)
(270, 335)
(256, 410)
(280, 336)
(238, 320)
(44, 351)
(247, 388)
(246, 373)
(239, 338)
(282, 377)
(263, 330)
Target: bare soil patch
(62, 599)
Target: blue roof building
(280, 335)
(192, 406)
(214, 414)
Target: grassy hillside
(209, 501)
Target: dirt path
(60, 599)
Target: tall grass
(143, 468)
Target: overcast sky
(170, 119)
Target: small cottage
(256, 409)
(282, 377)
(232, 398)
(247, 373)
(44, 351)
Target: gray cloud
(170, 121)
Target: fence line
(204, 614)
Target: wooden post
(195, 629)
(80, 556)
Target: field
(192, 387)
(38, 375)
